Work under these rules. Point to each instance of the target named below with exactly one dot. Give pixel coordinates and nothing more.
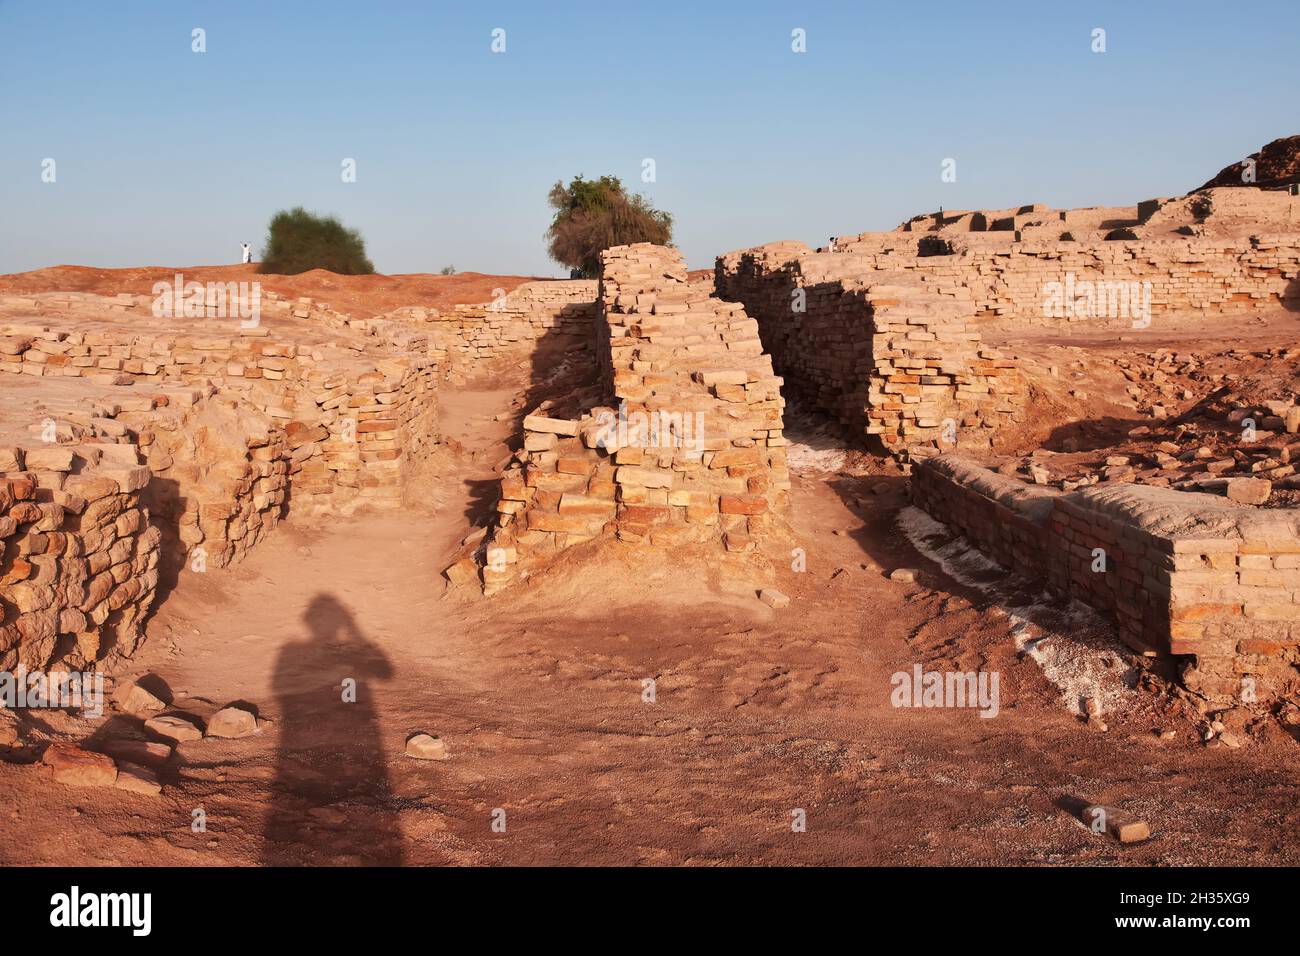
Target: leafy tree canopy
(591, 215)
(298, 240)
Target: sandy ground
(358, 296)
(540, 695)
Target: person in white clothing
(248, 252)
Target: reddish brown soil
(359, 296)
(1084, 397)
(1277, 165)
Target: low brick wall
(352, 418)
(1180, 573)
(511, 326)
(220, 478)
(114, 469)
(883, 352)
(78, 557)
(1012, 284)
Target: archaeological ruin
(1016, 377)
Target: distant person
(248, 252)
(830, 247)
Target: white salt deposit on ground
(805, 459)
(817, 447)
(1072, 645)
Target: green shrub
(298, 240)
(591, 215)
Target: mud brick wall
(512, 326)
(220, 475)
(884, 353)
(686, 444)
(351, 436)
(121, 356)
(1006, 519)
(78, 557)
(351, 420)
(1007, 280)
(194, 440)
(1193, 275)
(1185, 574)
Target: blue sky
(169, 157)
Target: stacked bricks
(1006, 519)
(675, 350)
(78, 569)
(352, 435)
(686, 444)
(510, 327)
(515, 322)
(932, 383)
(1185, 574)
(212, 353)
(886, 354)
(351, 418)
(1013, 283)
(220, 476)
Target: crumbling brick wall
(883, 352)
(510, 326)
(219, 476)
(685, 444)
(1181, 573)
(1012, 283)
(198, 435)
(351, 419)
(78, 557)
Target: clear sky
(165, 156)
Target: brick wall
(510, 326)
(1007, 281)
(351, 418)
(78, 557)
(883, 352)
(684, 445)
(1180, 573)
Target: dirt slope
(359, 296)
(1277, 165)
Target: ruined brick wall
(685, 445)
(1012, 285)
(1010, 282)
(198, 435)
(510, 326)
(219, 476)
(1181, 573)
(351, 418)
(78, 557)
(353, 434)
(884, 353)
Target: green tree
(298, 240)
(591, 215)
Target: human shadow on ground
(332, 800)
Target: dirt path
(541, 697)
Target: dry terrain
(539, 694)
